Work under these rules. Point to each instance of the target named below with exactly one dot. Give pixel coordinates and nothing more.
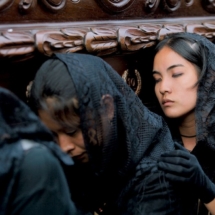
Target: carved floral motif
(64, 40)
(169, 29)
(99, 41)
(17, 45)
(133, 39)
(206, 29)
(102, 41)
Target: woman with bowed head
(32, 180)
(114, 140)
(184, 73)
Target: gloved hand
(182, 167)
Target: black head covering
(119, 131)
(18, 122)
(205, 110)
(133, 134)
(205, 107)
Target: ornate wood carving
(64, 40)
(168, 5)
(133, 39)
(26, 6)
(99, 41)
(169, 29)
(116, 5)
(54, 5)
(133, 79)
(102, 41)
(206, 29)
(113, 6)
(151, 5)
(171, 5)
(209, 5)
(4, 4)
(18, 45)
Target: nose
(65, 142)
(164, 86)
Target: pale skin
(175, 89)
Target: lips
(166, 102)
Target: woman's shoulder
(37, 157)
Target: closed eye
(176, 75)
(157, 80)
(71, 133)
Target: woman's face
(70, 141)
(175, 80)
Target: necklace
(188, 136)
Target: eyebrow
(169, 68)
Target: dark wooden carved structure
(122, 32)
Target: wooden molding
(23, 42)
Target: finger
(176, 161)
(174, 178)
(173, 169)
(177, 153)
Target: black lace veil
(119, 130)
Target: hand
(182, 167)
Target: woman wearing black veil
(32, 180)
(114, 139)
(184, 73)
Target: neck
(187, 129)
(187, 126)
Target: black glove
(183, 167)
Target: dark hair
(188, 48)
(53, 81)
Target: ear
(107, 103)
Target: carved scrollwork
(115, 5)
(206, 29)
(102, 41)
(209, 5)
(133, 79)
(26, 5)
(133, 39)
(170, 29)
(4, 4)
(171, 5)
(189, 2)
(16, 44)
(64, 40)
(52, 5)
(151, 5)
(99, 41)
(168, 5)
